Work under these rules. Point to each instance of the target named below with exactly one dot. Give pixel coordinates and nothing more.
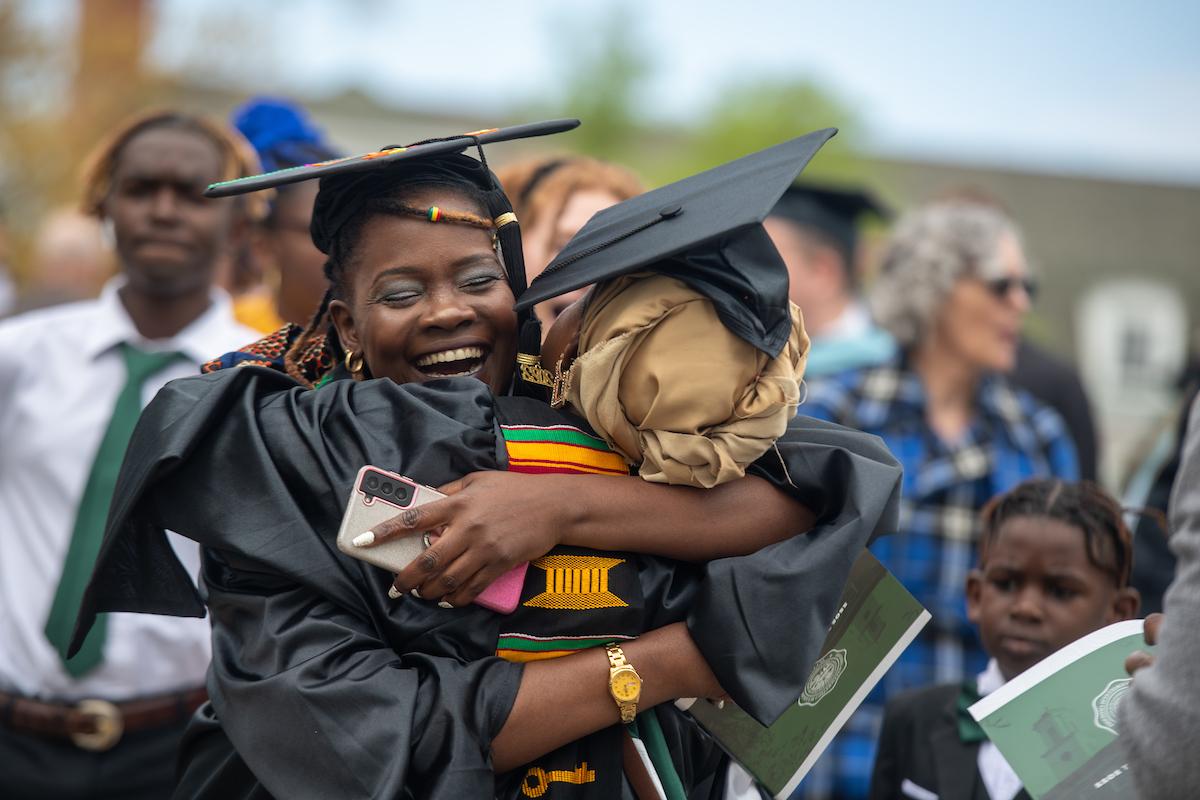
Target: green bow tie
(968, 729)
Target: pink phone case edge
(504, 593)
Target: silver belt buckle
(108, 723)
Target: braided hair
(1083, 505)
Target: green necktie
(93, 514)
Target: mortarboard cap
(706, 231)
(836, 212)
(348, 184)
(387, 156)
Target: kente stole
(574, 599)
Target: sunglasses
(1002, 287)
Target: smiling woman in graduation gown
(326, 688)
(341, 692)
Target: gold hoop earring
(355, 367)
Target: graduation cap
(429, 148)
(833, 211)
(706, 231)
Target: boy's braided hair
(1081, 504)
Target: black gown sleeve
(318, 704)
(325, 687)
(760, 620)
(246, 460)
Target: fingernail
(684, 703)
(720, 704)
(363, 539)
(415, 593)
(444, 604)
(394, 593)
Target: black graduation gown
(324, 686)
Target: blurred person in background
(1149, 488)
(1050, 379)
(71, 260)
(953, 290)
(815, 229)
(1056, 383)
(553, 198)
(73, 380)
(291, 266)
(8, 288)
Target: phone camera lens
(403, 493)
(372, 482)
(386, 487)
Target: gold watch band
(616, 656)
(624, 683)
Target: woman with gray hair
(954, 288)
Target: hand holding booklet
(1056, 723)
(876, 621)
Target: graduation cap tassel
(531, 379)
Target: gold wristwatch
(624, 683)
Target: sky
(1101, 87)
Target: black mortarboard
(706, 231)
(836, 212)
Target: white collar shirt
(60, 373)
(998, 776)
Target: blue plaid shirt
(1012, 437)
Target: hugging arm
(317, 704)
(495, 520)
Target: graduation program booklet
(1056, 723)
(876, 620)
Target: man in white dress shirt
(72, 380)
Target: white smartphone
(378, 496)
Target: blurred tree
(602, 82)
(752, 115)
(603, 72)
(59, 95)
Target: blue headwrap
(281, 133)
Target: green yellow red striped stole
(559, 448)
(573, 582)
(527, 647)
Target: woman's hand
(1140, 658)
(488, 523)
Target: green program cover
(877, 619)
(1056, 723)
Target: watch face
(626, 686)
